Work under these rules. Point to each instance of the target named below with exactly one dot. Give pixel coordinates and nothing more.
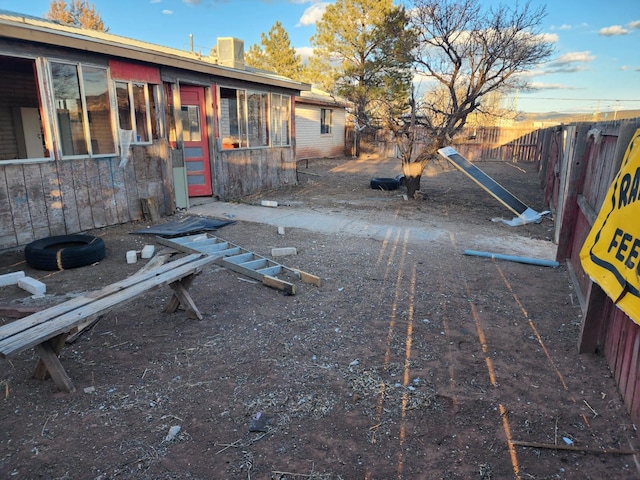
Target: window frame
(86, 127)
(148, 89)
(326, 128)
(280, 128)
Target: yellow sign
(611, 253)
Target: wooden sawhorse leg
(49, 363)
(181, 296)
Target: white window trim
(54, 118)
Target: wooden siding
(310, 143)
(243, 172)
(38, 200)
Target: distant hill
(555, 118)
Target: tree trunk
(412, 184)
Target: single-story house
(93, 125)
(320, 125)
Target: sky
(595, 67)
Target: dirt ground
(410, 361)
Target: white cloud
(613, 30)
(624, 68)
(549, 86)
(155, 1)
(564, 27)
(304, 53)
(548, 37)
(634, 24)
(312, 14)
(167, 12)
(193, 2)
(573, 57)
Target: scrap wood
(17, 312)
(574, 448)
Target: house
(320, 125)
(93, 125)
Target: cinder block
(147, 251)
(269, 203)
(282, 251)
(10, 278)
(32, 285)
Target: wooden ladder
(242, 261)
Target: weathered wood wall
(511, 144)
(38, 200)
(243, 172)
(577, 165)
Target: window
(135, 104)
(243, 118)
(326, 120)
(83, 109)
(280, 114)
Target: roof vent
(231, 52)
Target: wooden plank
(53, 198)
(131, 188)
(108, 199)
(17, 312)
(631, 392)
(42, 316)
(621, 348)
(19, 204)
(7, 230)
(590, 339)
(180, 291)
(33, 182)
(308, 278)
(120, 191)
(628, 357)
(73, 207)
(54, 367)
(278, 284)
(63, 323)
(96, 199)
(56, 344)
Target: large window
(280, 115)
(135, 107)
(326, 121)
(83, 109)
(243, 118)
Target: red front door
(196, 143)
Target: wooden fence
(577, 165)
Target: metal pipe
(513, 258)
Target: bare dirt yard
(410, 361)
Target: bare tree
(465, 54)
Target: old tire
(63, 252)
(384, 183)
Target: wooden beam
(52, 363)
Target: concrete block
(132, 256)
(10, 278)
(269, 203)
(147, 251)
(281, 230)
(32, 285)
(282, 251)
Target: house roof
(322, 98)
(35, 29)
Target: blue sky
(596, 65)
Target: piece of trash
(89, 389)
(269, 203)
(567, 440)
(354, 363)
(173, 433)
(280, 230)
(259, 423)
